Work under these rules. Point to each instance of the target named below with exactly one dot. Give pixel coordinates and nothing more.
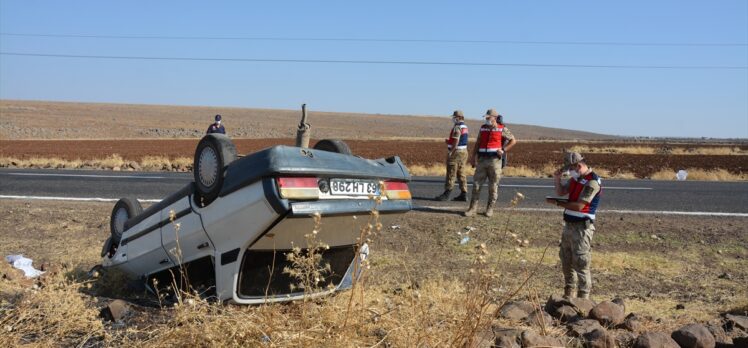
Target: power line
(331, 61)
(333, 39)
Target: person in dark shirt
(216, 127)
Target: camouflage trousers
(576, 255)
(456, 170)
(487, 168)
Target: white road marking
(605, 187)
(77, 199)
(601, 211)
(89, 175)
(548, 186)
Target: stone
(720, 336)
(505, 342)
(694, 336)
(558, 307)
(625, 338)
(599, 338)
(583, 305)
(555, 301)
(531, 339)
(632, 323)
(608, 313)
(517, 311)
(539, 318)
(655, 340)
(115, 311)
(619, 301)
(581, 327)
(566, 313)
(506, 337)
(737, 321)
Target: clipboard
(558, 199)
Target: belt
(489, 154)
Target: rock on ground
(531, 339)
(694, 336)
(581, 327)
(655, 340)
(737, 321)
(517, 311)
(599, 338)
(608, 313)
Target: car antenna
(303, 132)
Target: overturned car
(227, 233)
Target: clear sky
(708, 101)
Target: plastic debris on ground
(466, 235)
(681, 175)
(24, 264)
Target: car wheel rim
(119, 219)
(208, 167)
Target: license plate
(354, 187)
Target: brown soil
(534, 155)
(58, 120)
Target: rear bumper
(347, 207)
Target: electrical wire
(262, 38)
(331, 61)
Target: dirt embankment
(533, 155)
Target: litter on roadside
(24, 264)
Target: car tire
(124, 209)
(214, 152)
(333, 145)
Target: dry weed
(697, 174)
(654, 149)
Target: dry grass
(391, 306)
(653, 150)
(511, 171)
(437, 312)
(697, 174)
(113, 162)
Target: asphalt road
(618, 195)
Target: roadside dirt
(534, 155)
(653, 262)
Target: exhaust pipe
(303, 132)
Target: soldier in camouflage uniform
(486, 159)
(583, 188)
(457, 144)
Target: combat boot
(472, 209)
(583, 295)
(489, 209)
(444, 196)
(568, 293)
(461, 198)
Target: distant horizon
(312, 110)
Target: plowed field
(533, 155)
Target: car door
(183, 236)
(145, 253)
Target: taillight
(298, 188)
(396, 190)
